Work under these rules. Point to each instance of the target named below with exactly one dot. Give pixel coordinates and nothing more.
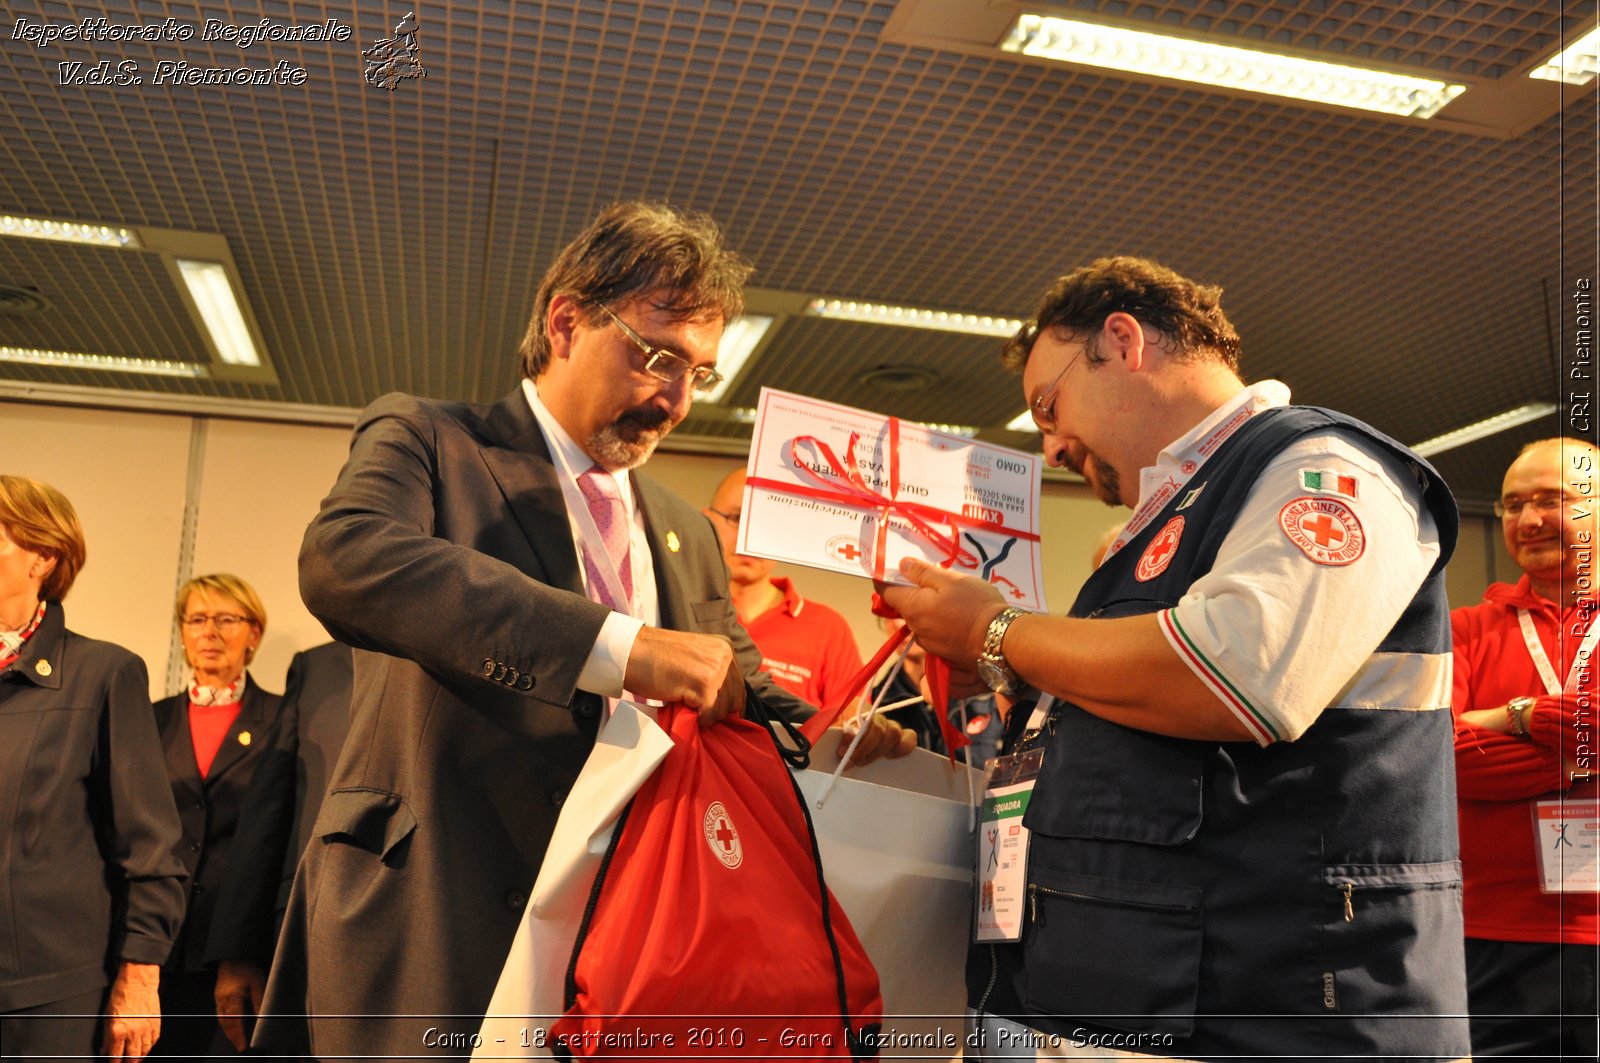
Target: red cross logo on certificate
(845, 548)
(1325, 529)
(1158, 555)
(721, 835)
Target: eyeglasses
(1043, 407)
(731, 518)
(227, 623)
(663, 364)
(1540, 503)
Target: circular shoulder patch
(1158, 555)
(721, 836)
(1325, 529)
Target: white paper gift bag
(528, 996)
(897, 843)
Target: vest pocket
(1117, 953)
(1386, 932)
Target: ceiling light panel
(914, 317)
(1220, 66)
(114, 363)
(1489, 426)
(1576, 64)
(69, 232)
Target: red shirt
(806, 647)
(1499, 776)
(208, 726)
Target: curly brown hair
(1188, 315)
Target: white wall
(254, 486)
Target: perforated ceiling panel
(393, 240)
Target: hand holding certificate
(850, 491)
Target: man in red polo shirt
(805, 646)
(1525, 704)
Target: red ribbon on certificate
(852, 490)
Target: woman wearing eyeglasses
(230, 761)
(90, 894)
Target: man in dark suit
(500, 573)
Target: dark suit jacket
(236, 824)
(87, 875)
(318, 693)
(444, 555)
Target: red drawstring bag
(709, 931)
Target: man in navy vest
(1243, 837)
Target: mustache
(643, 419)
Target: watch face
(991, 674)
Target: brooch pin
(672, 542)
(43, 667)
(244, 738)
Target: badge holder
(1002, 880)
(1567, 836)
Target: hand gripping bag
(710, 931)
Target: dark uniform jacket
(87, 874)
(236, 824)
(1202, 899)
(445, 557)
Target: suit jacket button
(558, 798)
(516, 899)
(499, 671)
(488, 667)
(194, 847)
(526, 682)
(512, 675)
(587, 708)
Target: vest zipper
(994, 976)
(1034, 889)
(1348, 889)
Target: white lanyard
(1541, 660)
(589, 533)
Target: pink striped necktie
(600, 490)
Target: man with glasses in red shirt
(1525, 704)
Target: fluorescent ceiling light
(1576, 64)
(739, 341)
(71, 232)
(1489, 426)
(912, 317)
(1022, 422)
(965, 431)
(1156, 55)
(219, 308)
(109, 362)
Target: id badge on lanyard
(1002, 884)
(1566, 833)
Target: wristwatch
(992, 666)
(1517, 710)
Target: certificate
(850, 491)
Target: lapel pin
(43, 667)
(244, 738)
(672, 542)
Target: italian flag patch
(1328, 482)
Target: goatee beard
(629, 441)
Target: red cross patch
(1158, 555)
(1325, 529)
(721, 835)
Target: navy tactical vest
(1196, 899)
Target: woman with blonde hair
(230, 762)
(91, 893)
